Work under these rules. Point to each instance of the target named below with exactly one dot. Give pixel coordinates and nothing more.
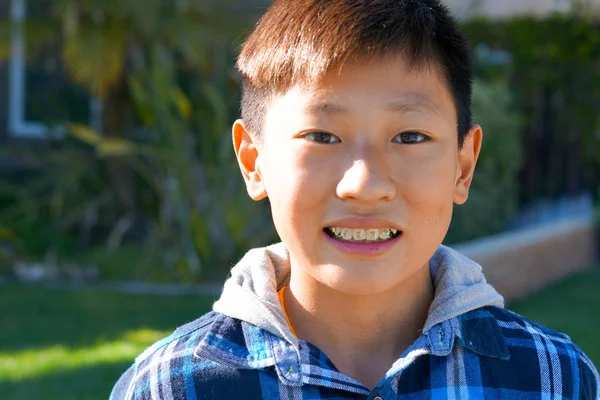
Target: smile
(362, 235)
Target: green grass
(60, 344)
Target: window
(41, 97)
(562, 5)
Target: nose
(368, 179)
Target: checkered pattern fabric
(489, 353)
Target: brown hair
(299, 41)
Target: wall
(518, 263)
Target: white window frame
(18, 126)
(562, 5)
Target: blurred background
(122, 208)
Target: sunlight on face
(376, 142)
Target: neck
(362, 335)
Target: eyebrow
(404, 104)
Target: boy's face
(372, 147)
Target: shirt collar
(476, 330)
(242, 345)
(441, 337)
(480, 333)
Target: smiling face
(372, 147)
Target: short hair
(299, 41)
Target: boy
(356, 124)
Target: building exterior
(4, 78)
(500, 9)
(469, 8)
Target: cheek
(428, 188)
(297, 186)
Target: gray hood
(250, 294)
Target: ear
(467, 158)
(246, 151)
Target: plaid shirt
(489, 353)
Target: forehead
(386, 85)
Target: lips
(362, 234)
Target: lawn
(61, 344)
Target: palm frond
(95, 56)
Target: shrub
(493, 198)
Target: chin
(358, 280)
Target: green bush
(159, 178)
(540, 120)
(493, 198)
(554, 77)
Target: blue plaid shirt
(489, 353)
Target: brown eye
(410, 138)
(321, 137)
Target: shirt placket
(438, 341)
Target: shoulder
(513, 323)
(548, 354)
(180, 338)
(172, 368)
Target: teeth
(358, 234)
(346, 233)
(373, 234)
(363, 234)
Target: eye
(410, 138)
(321, 137)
